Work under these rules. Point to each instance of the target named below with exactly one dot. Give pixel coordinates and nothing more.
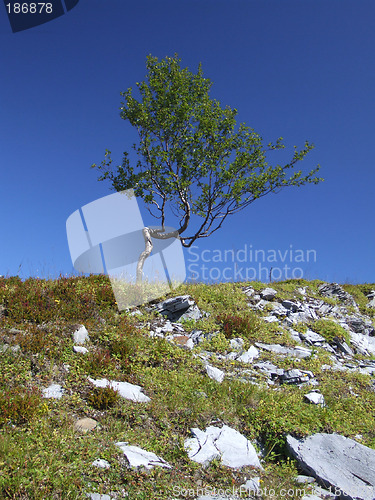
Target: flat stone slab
(298, 352)
(338, 463)
(126, 390)
(138, 457)
(233, 448)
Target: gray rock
(360, 325)
(363, 343)
(333, 290)
(197, 336)
(252, 486)
(298, 352)
(179, 308)
(338, 463)
(343, 347)
(271, 370)
(268, 293)
(291, 306)
(295, 376)
(312, 338)
(249, 291)
(236, 343)
(270, 319)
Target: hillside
(219, 384)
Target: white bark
(147, 233)
(146, 252)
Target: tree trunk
(146, 252)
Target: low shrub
(18, 405)
(330, 330)
(238, 326)
(102, 398)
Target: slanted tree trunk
(147, 234)
(146, 252)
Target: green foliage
(100, 363)
(191, 152)
(103, 398)
(18, 404)
(330, 330)
(238, 326)
(36, 300)
(40, 454)
(219, 343)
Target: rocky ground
(237, 390)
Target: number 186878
(29, 8)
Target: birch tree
(193, 158)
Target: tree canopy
(192, 155)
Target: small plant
(330, 330)
(102, 398)
(300, 327)
(99, 362)
(237, 326)
(218, 343)
(18, 405)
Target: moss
(330, 330)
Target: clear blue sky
(303, 70)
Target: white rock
(363, 343)
(252, 486)
(270, 319)
(53, 391)
(235, 450)
(98, 496)
(138, 457)
(249, 355)
(80, 349)
(126, 390)
(101, 463)
(268, 293)
(81, 335)
(201, 454)
(215, 373)
(316, 398)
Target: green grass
(42, 456)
